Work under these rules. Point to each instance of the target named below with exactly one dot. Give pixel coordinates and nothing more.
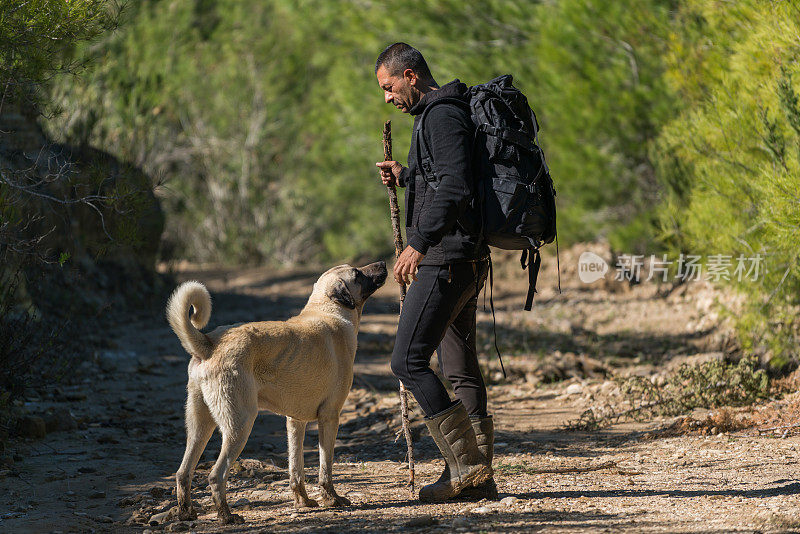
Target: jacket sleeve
(402, 180)
(449, 132)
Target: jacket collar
(454, 89)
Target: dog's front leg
(296, 432)
(328, 427)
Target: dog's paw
(304, 502)
(334, 501)
(231, 519)
(188, 514)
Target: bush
(707, 385)
(730, 162)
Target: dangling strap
(494, 320)
(558, 264)
(533, 273)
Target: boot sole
(485, 490)
(476, 478)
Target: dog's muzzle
(376, 274)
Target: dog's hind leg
(328, 427)
(199, 427)
(235, 422)
(295, 432)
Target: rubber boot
(484, 435)
(465, 465)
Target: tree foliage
(265, 118)
(730, 161)
(665, 122)
(37, 38)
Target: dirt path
(115, 471)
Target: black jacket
(443, 224)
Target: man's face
(399, 90)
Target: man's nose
(387, 96)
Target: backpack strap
(532, 260)
(509, 134)
(424, 157)
(494, 319)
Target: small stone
(105, 519)
(242, 504)
(509, 501)
(574, 389)
(31, 426)
(97, 494)
(178, 527)
(59, 420)
(158, 492)
(422, 521)
(157, 519)
(461, 522)
(482, 510)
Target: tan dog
(301, 368)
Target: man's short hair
(401, 56)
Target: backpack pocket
(518, 215)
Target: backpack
(515, 190)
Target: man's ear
(342, 295)
(410, 76)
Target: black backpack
(516, 193)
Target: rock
(461, 522)
(574, 389)
(105, 519)
(158, 492)
(422, 521)
(31, 426)
(59, 420)
(482, 510)
(509, 501)
(97, 494)
(158, 519)
(178, 527)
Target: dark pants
(439, 314)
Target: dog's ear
(342, 295)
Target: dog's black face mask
(359, 285)
(374, 277)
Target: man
(447, 262)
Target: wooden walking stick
(394, 213)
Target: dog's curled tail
(195, 295)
